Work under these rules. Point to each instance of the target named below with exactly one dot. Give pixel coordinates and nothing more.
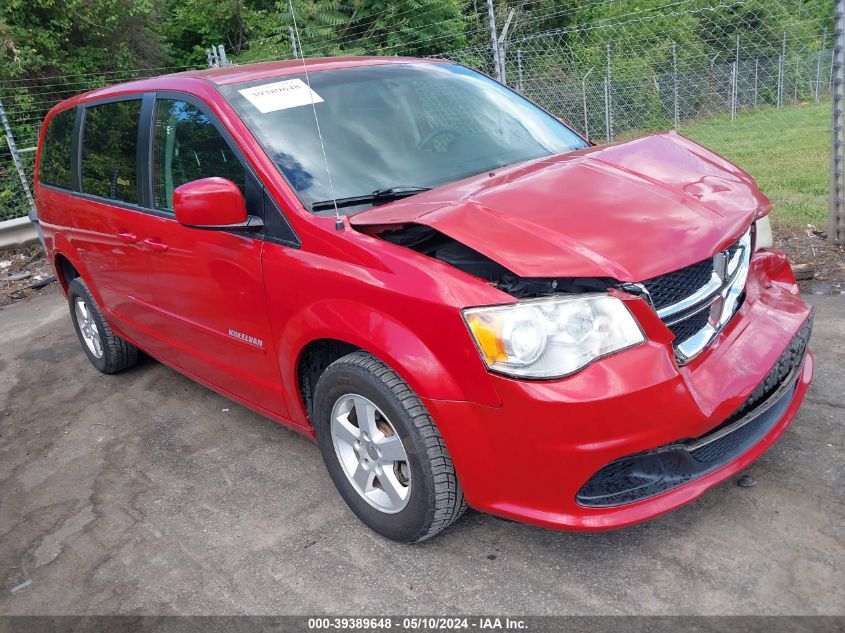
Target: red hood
(629, 211)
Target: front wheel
(383, 450)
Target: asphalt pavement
(145, 493)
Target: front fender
(443, 368)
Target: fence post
(519, 70)
(224, 61)
(16, 159)
(819, 64)
(781, 73)
(733, 91)
(736, 78)
(608, 104)
(584, 97)
(502, 44)
(494, 40)
(677, 114)
(836, 209)
(293, 45)
(503, 77)
(756, 75)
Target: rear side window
(57, 149)
(188, 147)
(109, 150)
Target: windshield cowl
(387, 194)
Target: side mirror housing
(212, 204)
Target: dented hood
(629, 211)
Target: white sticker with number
(280, 95)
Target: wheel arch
(319, 337)
(312, 361)
(67, 264)
(65, 271)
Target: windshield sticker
(280, 95)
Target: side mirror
(213, 204)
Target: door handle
(126, 236)
(153, 245)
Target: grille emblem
(696, 302)
(716, 312)
(720, 265)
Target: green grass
(786, 151)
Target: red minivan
(457, 295)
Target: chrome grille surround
(720, 296)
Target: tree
(194, 25)
(61, 37)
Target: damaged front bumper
(637, 434)
(644, 475)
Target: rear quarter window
(57, 150)
(109, 150)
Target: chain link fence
(26, 102)
(13, 200)
(686, 64)
(657, 69)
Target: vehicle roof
(235, 74)
(250, 72)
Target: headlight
(550, 338)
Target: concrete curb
(16, 233)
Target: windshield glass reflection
(395, 125)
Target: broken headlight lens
(554, 337)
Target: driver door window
(186, 147)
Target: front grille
(676, 286)
(645, 475)
(696, 302)
(687, 328)
(715, 452)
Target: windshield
(392, 127)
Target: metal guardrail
(18, 232)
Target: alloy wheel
(371, 453)
(88, 327)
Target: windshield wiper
(379, 195)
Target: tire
(433, 497)
(94, 332)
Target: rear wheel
(383, 450)
(107, 352)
